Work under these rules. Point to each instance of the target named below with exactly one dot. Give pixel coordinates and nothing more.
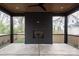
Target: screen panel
(73, 29)
(4, 28)
(19, 29)
(58, 29)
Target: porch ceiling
(52, 7)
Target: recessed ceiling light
(37, 22)
(61, 7)
(17, 7)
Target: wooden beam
(72, 10)
(5, 10)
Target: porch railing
(58, 38)
(5, 39)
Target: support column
(66, 30)
(11, 29)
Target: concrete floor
(39, 50)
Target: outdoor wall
(73, 40)
(58, 38)
(38, 22)
(19, 38)
(4, 40)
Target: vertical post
(66, 30)
(51, 25)
(11, 29)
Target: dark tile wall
(38, 22)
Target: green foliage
(19, 28)
(4, 29)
